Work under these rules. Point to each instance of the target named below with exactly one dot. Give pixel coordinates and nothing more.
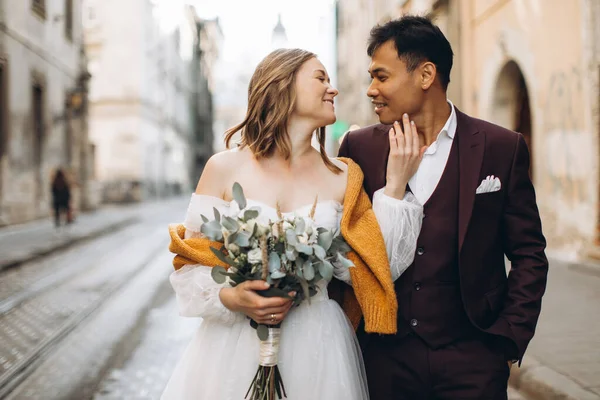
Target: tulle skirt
(319, 358)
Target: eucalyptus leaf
(263, 332)
(250, 214)
(300, 225)
(299, 262)
(238, 195)
(325, 239)
(309, 270)
(277, 274)
(339, 245)
(242, 238)
(326, 270)
(217, 274)
(204, 218)
(344, 261)
(230, 224)
(232, 237)
(321, 230)
(290, 237)
(291, 255)
(319, 252)
(274, 262)
(217, 214)
(222, 256)
(304, 248)
(212, 230)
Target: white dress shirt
(427, 177)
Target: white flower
(234, 248)
(262, 230)
(255, 256)
(313, 238)
(303, 238)
(286, 226)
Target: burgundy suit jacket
(490, 225)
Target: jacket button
(420, 251)
(417, 286)
(414, 322)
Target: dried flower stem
(311, 215)
(265, 257)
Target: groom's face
(393, 90)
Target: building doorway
(511, 106)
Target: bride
(289, 98)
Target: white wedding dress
(319, 355)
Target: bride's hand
(264, 310)
(404, 158)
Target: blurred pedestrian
(61, 197)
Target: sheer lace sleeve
(197, 293)
(400, 222)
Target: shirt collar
(450, 125)
(449, 129)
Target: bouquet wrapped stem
(267, 382)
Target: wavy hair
(271, 101)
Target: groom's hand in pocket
(405, 156)
(264, 310)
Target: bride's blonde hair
(271, 101)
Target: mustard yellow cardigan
(371, 295)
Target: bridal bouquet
(290, 254)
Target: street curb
(539, 382)
(67, 242)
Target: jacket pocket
(495, 299)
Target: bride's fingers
(272, 318)
(277, 310)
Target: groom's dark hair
(417, 39)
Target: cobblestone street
(48, 303)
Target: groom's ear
(428, 74)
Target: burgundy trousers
(407, 369)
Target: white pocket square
(488, 185)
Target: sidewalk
(25, 242)
(563, 359)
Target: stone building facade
(43, 108)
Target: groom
(461, 321)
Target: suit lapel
(471, 147)
(382, 137)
